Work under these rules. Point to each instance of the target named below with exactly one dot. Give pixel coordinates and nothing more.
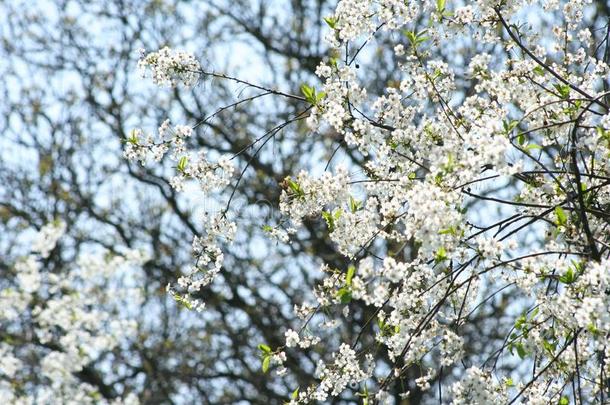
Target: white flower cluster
(477, 388)
(332, 108)
(73, 323)
(170, 67)
(209, 259)
(293, 339)
(304, 196)
(144, 148)
(209, 175)
(336, 376)
(353, 17)
(351, 230)
(47, 238)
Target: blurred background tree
(71, 96)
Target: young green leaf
(295, 187)
(538, 70)
(521, 350)
(309, 93)
(319, 97)
(440, 6)
(295, 394)
(562, 218)
(351, 271)
(449, 231)
(532, 146)
(441, 255)
(266, 363)
(563, 90)
(330, 220)
(354, 205)
(182, 164)
(345, 295)
(264, 348)
(331, 22)
(569, 277)
(133, 137)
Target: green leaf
(331, 22)
(351, 271)
(264, 348)
(564, 401)
(295, 394)
(386, 329)
(521, 139)
(563, 90)
(549, 347)
(338, 213)
(330, 218)
(441, 255)
(345, 295)
(182, 164)
(309, 93)
(532, 146)
(133, 137)
(449, 231)
(521, 350)
(306, 90)
(416, 38)
(509, 125)
(605, 135)
(440, 6)
(411, 37)
(265, 364)
(569, 277)
(538, 70)
(182, 301)
(438, 179)
(534, 312)
(354, 205)
(330, 221)
(562, 218)
(296, 189)
(521, 321)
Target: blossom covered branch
(489, 176)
